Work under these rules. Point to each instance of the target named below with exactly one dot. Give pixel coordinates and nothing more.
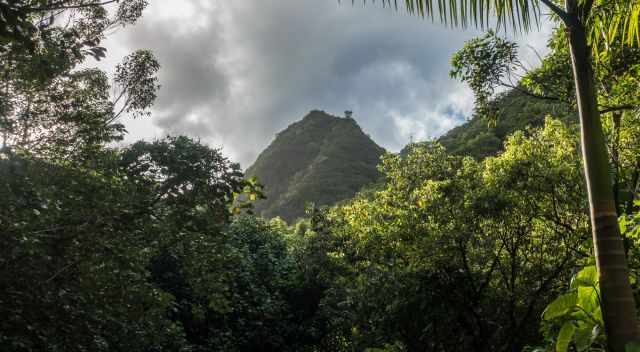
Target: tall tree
(616, 21)
(49, 105)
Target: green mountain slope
(516, 111)
(321, 159)
(325, 159)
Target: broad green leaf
(564, 337)
(597, 315)
(561, 306)
(588, 299)
(586, 277)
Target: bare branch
(61, 6)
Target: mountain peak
(321, 159)
(322, 118)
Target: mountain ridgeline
(324, 159)
(514, 111)
(321, 159)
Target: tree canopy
(478, 241)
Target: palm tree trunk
(618, 305)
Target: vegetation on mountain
(321, 159)
(451, 241)
(462, 245)
(514, 111)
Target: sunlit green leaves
(587, 277)
(578, 312)
(441, 225)
(486, 64)
(561, 306)
(615, 23)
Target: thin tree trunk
(618, 305)
(633, 187)
(616, 119)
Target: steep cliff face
(321, 159)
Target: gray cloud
(234, 73)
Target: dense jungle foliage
(479, 245)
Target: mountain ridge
(325, 159)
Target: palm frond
(520, 15)
(610, 22)
(614, 22)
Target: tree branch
(617, 108)
(526, 92)
(61, 6)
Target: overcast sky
(236, 72)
